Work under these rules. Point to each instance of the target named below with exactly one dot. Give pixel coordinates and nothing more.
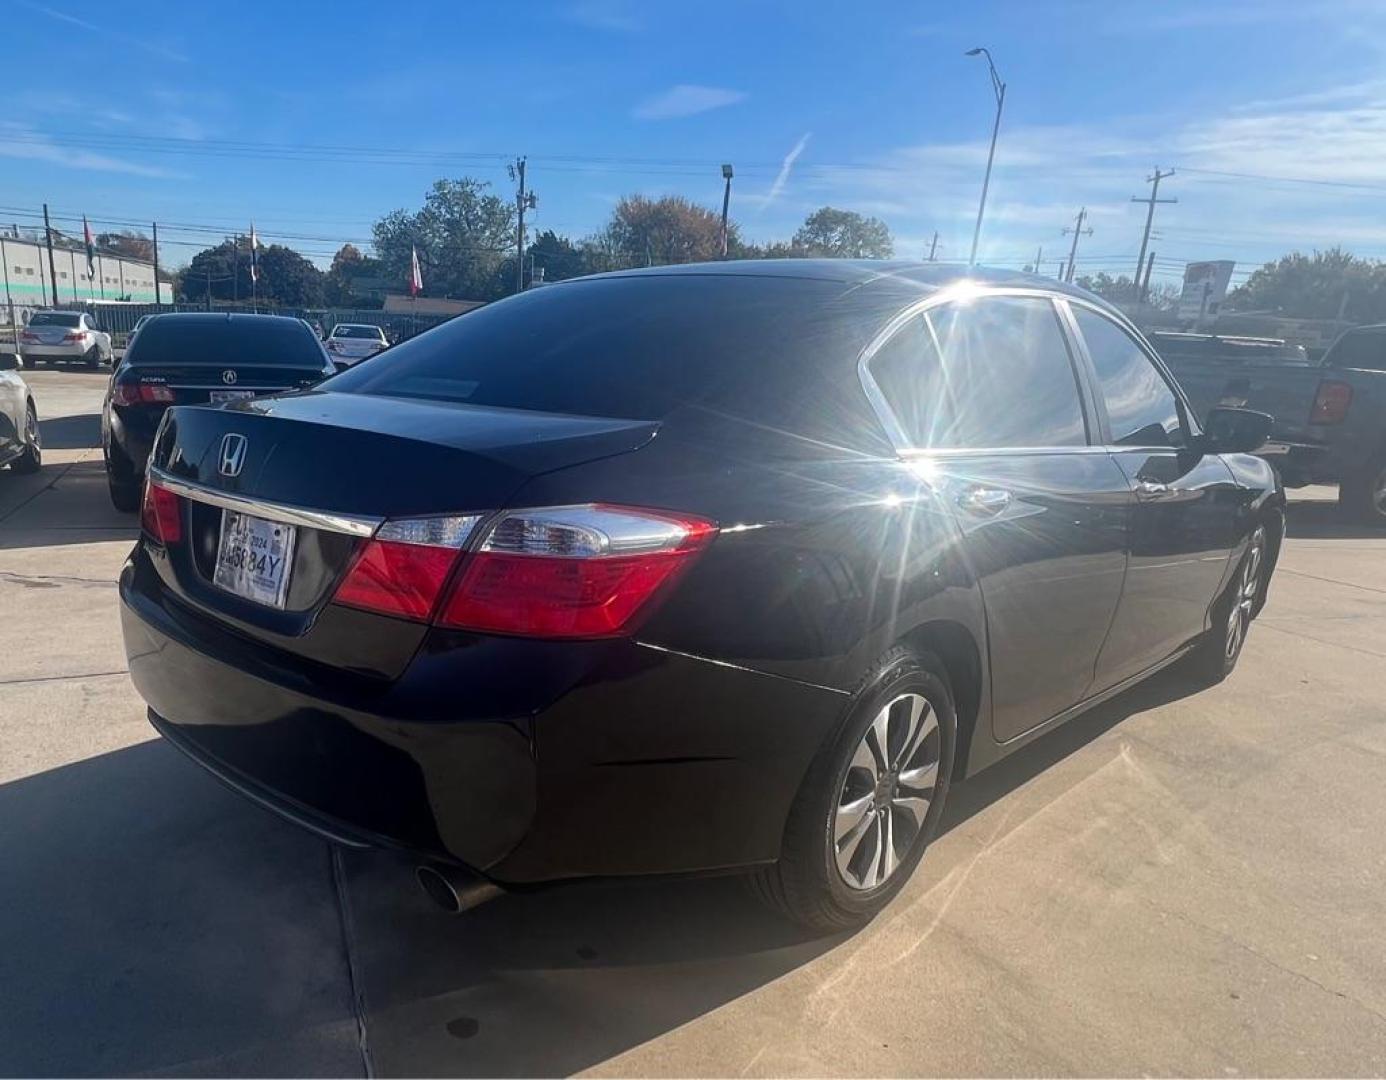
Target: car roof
(867, 276)
(355, 326)
(225, 317)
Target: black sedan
(729, 566)
(191, 359)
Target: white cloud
(686, 100)
(20, 142)
(152, 47)
(786, 166)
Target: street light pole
(999, 89)
(726, 202)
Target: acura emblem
(228, 376)
(232, 452)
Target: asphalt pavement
(1177, 882)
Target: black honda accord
(727, 566)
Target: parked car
(20, 446)
(64, 335)
(1330, 416)
(195, 358)
(690, 569)
(352, 342)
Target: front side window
(1141, 407)
(989, 372)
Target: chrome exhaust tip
(453, 889)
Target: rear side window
(222, 342)
(992, 372)
(371, 332)
(1360, 349)
(1141, 407)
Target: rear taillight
(74, 335)
(402, 569)
(567, 571)
(161, 514)
(1331, 402)
(29, 335)
(572, 571)
(140, 394)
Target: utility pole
(1144, 289)
(1039, 254)
(52, 267)
(726, 204)
(158, 296)
(209, 284)
(933, 246)
(1077, 230)
(235, 269)
(1154, 182)
(523, 202)
(998, 88)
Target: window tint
(54, 318)
(990, 372)
(221, 341)
(1141, 407)
(1359, 349)
(342, 330)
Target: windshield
(374, 333)
(222, 342)
(55, 318)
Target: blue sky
(141, 111)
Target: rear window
(55, 318)
(371, 332)
(634, 348)
(223, 342)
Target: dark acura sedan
(191, 358)
(728, 566)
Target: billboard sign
(1205, 287)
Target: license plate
(218, 396)
(253, 558)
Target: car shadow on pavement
(152, 922)
(1318, 519)
(71, 432)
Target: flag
(415, 274)
(254, 258)
(91, 249)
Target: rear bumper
(522, 760)
(54, 352)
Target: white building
(28, 283)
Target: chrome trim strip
(349, 524)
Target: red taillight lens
(161, 514)
(1331, 403)
(140, 394)
(28, 335)
(402, 570)
(73, 335)
(578, 571)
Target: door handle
(984, 501)
(1153, 489)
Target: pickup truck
(1330, 416)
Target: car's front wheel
(1216, 654)
(871, 800)
(31, 460)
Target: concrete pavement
(1174, 883)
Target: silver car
(19, 430)
(351, 342)
(65, 335)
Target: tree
(843, 234)
(656, 232)
(127, 243)
(353, 279)
(461, 233)
(286, 278)
(557, 256)
(1325, 285)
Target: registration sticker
(253, 558)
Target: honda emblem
(232, 454)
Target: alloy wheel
(31, 428)
(1244, 602)
(887, 791)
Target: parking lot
(1175, 883)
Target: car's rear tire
(871, 799)
(1363, 494)
(122, 481)
(92, 357)
(1217, 652)
(31, 460)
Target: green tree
(126, 243)
(557, 256)
(657, 232)
(843, 234)
(462, 235)
(346, 282)
(1325, 285)
(287, 279)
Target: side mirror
(1236, 431)
(9, 361)
(340, 366)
